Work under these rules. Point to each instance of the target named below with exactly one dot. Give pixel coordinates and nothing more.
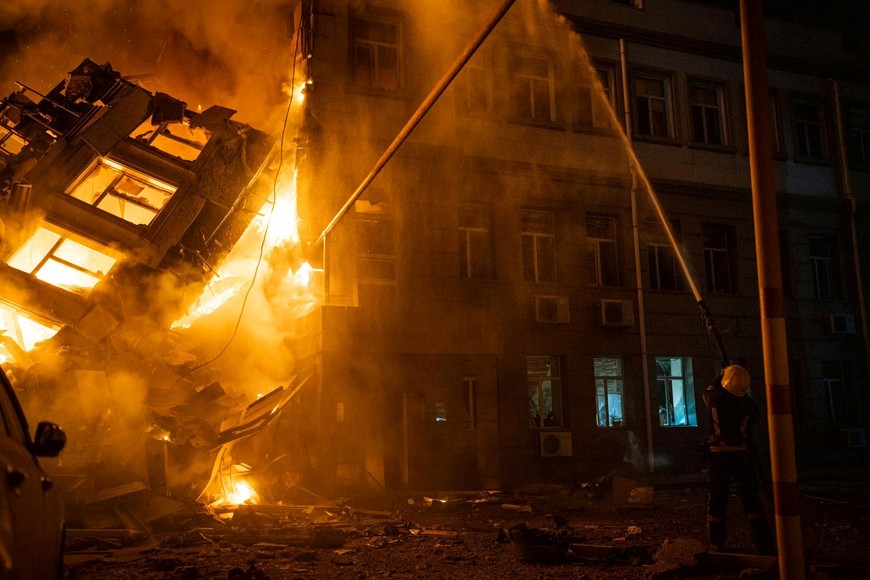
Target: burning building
(500, 305)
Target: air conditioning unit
(615, 313)
(551, 309)
(855, 437)
(555, 444)
(841, 324)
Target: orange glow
(240, 492)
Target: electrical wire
(268, 222)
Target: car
(31, 509)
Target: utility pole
(772, 307)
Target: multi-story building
(502, 303)
(496, 308)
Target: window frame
(825, 266)
(603, 393)
(537, 251)
(383, 17)
(556, 394)
(859, 134)
(664, 384)
(466, 243)
(731, 262)
(594, 247)
(477, 69)
(658, 243)
(801, 127)
(672, 131)
(532, 82)
(721, 112)
(371, 250)
(592, 114)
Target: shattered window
(608, 391)
(375, 53)
(545, 391)
(19, 332)
(176, 139)
(676, 389)
(62, 262)
(122, 192)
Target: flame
(240, 492)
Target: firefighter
(733, 456)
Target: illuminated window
(653, 101)
(539, 246)
(720, 260)
(676, 389)
(376, 52)
(811, 141)
(20, 332)
(62, 262)
(601, 238)
(706, 112)
(176, 139)
(10, 143)
(532, 93)
(474, 240)
(609, 384)
(662, 266)
(545, 391)
(122, 192)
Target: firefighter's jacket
(731, 420)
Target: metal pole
(641, 310)
(773, 333)
(421, 111)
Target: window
(824, 264)
(608, 391)
(676, 390)
(809, 128)
(472, 90)
(532, 97)
(663, 268)
(122, 192)
(376, 262)
(376, 53)
(707, 112)
(545, 391)
(596, 102)
(720, 260)
(775, 102)
(859, 136)
(653, 103)
(837, 383)
(474, 241)
(469, 397)
(177, 139)
(52, 257)
(601, 238)
(10, 143)
(19, 332)
(539, 246)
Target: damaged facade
(489, 315)
(117, 205)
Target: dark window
(597, 99)
(707, 108)
(662, 265)
(859, 136)
(720, 260)
(473, 92)
(601, 239)
(653, 105)
(825, 267)
(809, 128)
(474, 241)
(838, 390)
(539, 246)
(376, 49)
(532, 89)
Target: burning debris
(133, 231)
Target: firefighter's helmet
(735, 380)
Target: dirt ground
(470, 536)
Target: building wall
(422, 310)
